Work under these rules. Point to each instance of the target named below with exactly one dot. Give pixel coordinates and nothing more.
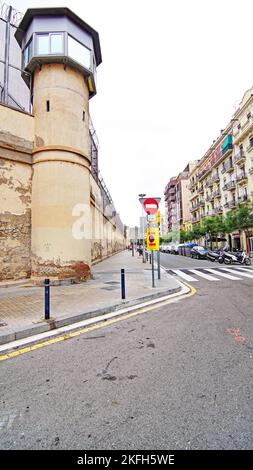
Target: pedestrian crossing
(236, 273)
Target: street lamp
(143, 232)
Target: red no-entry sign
(150, 205)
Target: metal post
(143, 238)
(123, 287)
(47, 298)
(149, 258)
(133, 249)
(158, 264)
(7, 56)
(153, 271)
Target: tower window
(83, 115)
(48, 106)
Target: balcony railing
(227, 148)
(217, 193)
(218, 210)
(232, 204)
(250, 147)
(209, 183)
(230, 185)
(239, 157)
(195, 219)
(243, 198)
(229, 166)
(203, 173)
(243, 130)
(215, 178)
(241, 177)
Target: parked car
(164, 248)
(199, 252)
(174, 249)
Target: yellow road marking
(101, 324)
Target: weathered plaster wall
(16, 134)
(106, 238)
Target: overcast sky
(172, 75)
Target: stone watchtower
(61, 52)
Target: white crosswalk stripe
(204, 275)
(184, 275)
(219, 273)
(233, 274)
(241, 272)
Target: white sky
(172, 74)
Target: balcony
(195, 219)
(227, 167)
(240, 157)
(245, 128)
(192, 184)
(230, 185)
(209, 183)
(201, 202)
(215, 178)
(201, 189)
(217, 193)
(232, 204)
(227, 149)
(241, 178)
(250, 170)
(250, 147)
(194, 208)
(218, 210)
(203, 173)
(242, 199)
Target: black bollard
(123, 287)
(47, 298)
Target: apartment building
(223, 178)
(170, 203)
(177, 197)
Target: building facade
(177, 196)
(57, 216)
(170, 203)
(223, 178)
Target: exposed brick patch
(15, 245)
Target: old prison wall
(19, 208)
(16, 144)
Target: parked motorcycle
(214, 255)
(239, 257)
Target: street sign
(150, 205)
(153, 238)
(152, 218)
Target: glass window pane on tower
(79, 52)
(56, 43)
(43, 44)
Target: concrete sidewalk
(22, 305)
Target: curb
(52, 324)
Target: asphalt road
(179, 377)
